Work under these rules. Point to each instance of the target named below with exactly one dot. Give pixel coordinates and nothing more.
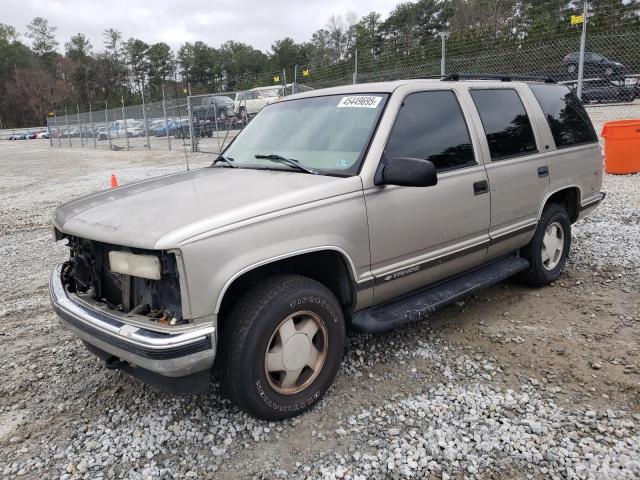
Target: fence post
(124, 120)
(583, 43)
(79, 125)
(93, 127)
(106, 119)
(295, 79)
(166, 121)
(144, 117)
(355, 68)
(55, 120)
(49, 131)
(66, 120)
(443, 55)
(190, 115)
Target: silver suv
(360, 207)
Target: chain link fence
(597, 57)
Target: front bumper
(167, 354)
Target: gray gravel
(416, 403)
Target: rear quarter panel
(578, 166)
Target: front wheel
(282, 345)
(548, 249)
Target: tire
(254, 331)
(542, 272)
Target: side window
(568, 120)
(430, 125)
(505, 123)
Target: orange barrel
(622, 146)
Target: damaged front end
(89, 274)
(126, 305)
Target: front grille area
(111, 282)
(158, 299)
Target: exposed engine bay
(88, 272)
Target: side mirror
(406, 172)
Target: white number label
(360, 101)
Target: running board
(415, 306)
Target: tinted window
(431, 126)
(567, 118)
(505, 123)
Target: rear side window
(505, 122)
(430, 125)
(568, 120)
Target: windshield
(326, 134)
(269, 93)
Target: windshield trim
(356, 168)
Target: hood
(162, 212)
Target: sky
(255, 22)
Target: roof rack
(454, 77)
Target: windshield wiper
(292, 162)
(225, 160)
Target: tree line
(38, 75)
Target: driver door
(419, 235)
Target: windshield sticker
(343, 163)
(360, 101)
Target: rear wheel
(281, 347)
(548, 250)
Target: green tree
(160, 65)
(42, 36)
(78, 48)
(286, 54)
(135, 51)
(199, 63)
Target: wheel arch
(328, 265)
(569, 197)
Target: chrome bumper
(167, 354)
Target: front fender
(213, 261)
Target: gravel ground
(512, 383)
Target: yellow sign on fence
(306, 72)
(276, 79)
(577, 19)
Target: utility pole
(443, 55)
(355, 68)
(583, 43)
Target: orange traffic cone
(114, 180)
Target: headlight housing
(135, 265)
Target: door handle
(480, 187)
(543, 172)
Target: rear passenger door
(516, 164)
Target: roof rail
(454, 77)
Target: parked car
(102, 133)
(136, 129)
(19, 136)
(42, 134)
(595, 66)
(201, 128)
(363, 207)
(247, 104)
(215, 108)
(606, 91)
(161, 131)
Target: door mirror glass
(406, 172)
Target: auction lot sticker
(360, 101)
